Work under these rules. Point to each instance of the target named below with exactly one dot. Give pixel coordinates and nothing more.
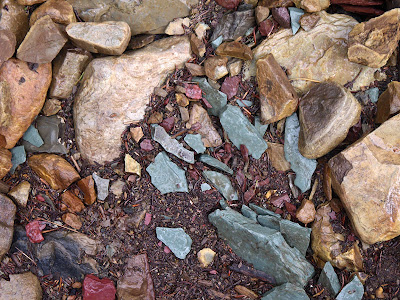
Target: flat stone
(230, 86)
(295, 235)
(197, 45)
(102, 106)
(295, 15)
(269, 221)
(102, 185)
(229, 4)
(175, 239)
(184, 112)
(234, 67)
(7, 215)
(213, 162)
(205, 187)
(166, 176)
(241, 132)
(276, 155)
(7, 45)
(388, 102)
(96, 288)
(72, 202)
(72, 220)
(194, 141)
(175, 27)
(277, 96)
(137, 133)
(286, 291)
(5, 162)
(329, 279)
(195, 70)
(215, 67)
(18, 157)
(354, 290)
(222, 183)
(303, 167)
(60, 11)
(326, 114)
(132, 166)
(312, 5)
(217, 99)
(21, 286)
(33, 137)
(201, 29)
(372, 43)
(282, 16)
(51, 107)
(235, 49)
(14, 19)
(20, 193)
(262, 129)
(139, 41)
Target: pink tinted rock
(34, 231)
(147, 219)
(229, 4)
(193, 91)
(95, 288)
(146, 145)
(281, 15)
(166, 249)
(230, 86)
(268, 26)
(168, 124)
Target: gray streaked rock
(248, 212)
(329, 279)
(217, 99)
(286, 291)
(21, 286)
(194, 141)
(269, 221)
(354, 290)
(102, 186)
(295, 235)
(222, 183)
(175, 239)
(213, 162)
(7, 215)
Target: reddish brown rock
(7, 45)
(261, 13)
(229, 4)
(73, 203)
(95, 288)
(268, 26)
(388, 102)
(182, 100)
(230, 86)
(7, 215)
(235, 49)
(281, 15)
(306, 212)
(197, 45)
(5, 162)
(87, 187)
(139, 41)
(276, 155)
(72, 220)
(29, 2)
(14, 18)
(60, 12)
(215, 67)
(195, 70)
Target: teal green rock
(18, 156)
(205, 187)
(176, 240)
(102, 185)
(241, 131)
(263, 211)
(217, 99)
(295, 235)
(286, 291)
(32, 136)
(213, 162)
(329, 279)
(354, 290)
(222, 183)
(269, 221)
(263, 247)
(194, 141)
(244, 103)
(295, 15)
(218, 41)
(248, 212)
(262, 129)
(303, 167)
(373, 94)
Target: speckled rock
(21, 286)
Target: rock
(206, 257)
(312, 5)
(73, 203)
(354, 290)
(53, 169)
(241, 132)
(262, 129)
(281, 15)
(184, 114)
(265, 248)
(51, 107)
(166, 176)
(30, 2)
(242, 290)
(275, 3)
(295, 235)
(270, 221)
(277, 158)
(72, 220)
(34, 231)
(96, 288)
(137, 133)
(67, 69)
(136, 283)
(20, 193)
(5, 162)
(175, 239)
(277, 96)
(101, 107)
(303, 167)
(60, 11)
(197, 45)
(372, 43)
(329, 279)
(222, 183)
(373, 162)
(234, 67)
(33, 137)
(21, 286)
(306, 211)
(139, 41)
(388, 102)
(295, 15)
(206, 187)
(27, 86)
(229, 4)
(286, 291)
(146, 145)
(327, 41)
(7, 45)
(230, 86)
(175, 27)
(268, 26)
(194, 141)
(182, 100)
(168, 124)
(261, 13)
(216, 98)
(195, 70)
(7, 215)
(235, 49)
(201, 30)
(102, 185)
(215, 67)
(117, 188)
(308, 21)
(160, 92)
(213, 162)
(131, 165)
(111, 37)
(14, 18)
(326, 114)
(248, 212)
(155, 118)
(18, 157)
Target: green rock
(166, 176)
(223, 204)
(32, 136)
(286, 291)
(222, 183)
(269, 221)
(262, 129)
(263, 211)
(265, 248)
(248, 212)
(295, 235)
(194, 141)
(176, 240)
(354, 290)
(217, 99)
(218, 41)
(295, 15)
(303, 167)
(18, 156)
(241, 131)
(205, 187)
(102, 185)
(244, 103)
(213, 162)
(373, 94)
(329, 279)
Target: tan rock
(7, 215)
(198, 47)
(215, 67)
(235, 49)
(181, 99)
(51, 107)
(206, 257)
(20, 193)
(139, 41)
(312, 5)
(53, 169)
(60, 12)
(306, 212)
(5, 162)
(308, 21)
(21, 286)
(14, 18)
(132, 166)
(235, 67)
(27, 89)
(87, 187)
(73, 203)
(184, 113)
(389, 102)
(176, 27)
(117, 188)
(137, 133)
(278, 98)
(155, 118)
(195, 70)
(209, 135)
(30, 2)
(7, 45)
(275, 3)
(72, 220)
(276, 155)
(371, 43)
(262, 13)
(201, 29)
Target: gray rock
(354, 290)
(286, 291)
(373, 94)
(295, 15)
(101, 186)
(175, 239)
(205, 187)
(303, 167)
(32, 136)
(222, 183)
(20, 193)
(7, 215)
(194, 141)
(329, 279)
(21, 286)
(171, 145)
(241, 131)
(248, 212)
(295, 235)
(223, 204)
(213, 162)
(262, 129)
(263, 211)
(269, 221)
(18, 157)
(216, 98)
(166, 176)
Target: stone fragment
(206, 187)
(206, 257)
(7, 45)
(222, 183)
(268, 26)
(312, 5)
(286, 291)
(235, 49)
(234, 67)
(269, 221)
(322, 129)
(181, 99)
(295, 235)
(27, 87)
(137, 133)
(117, 188)
(303, 167)
(213, 162)
(32, 136)
(7, 215)
(176, 27)
(103, 107)
(21, 286)
(281, 15)
(241, 132)
(131, 165)
(20, 193)
(277, 96)
(195, 70)
(30, 2)
(295, 15)
(277, 158)
(229, 4)
(96, 288)
(72, 220)
(231, 86)
(329, 279)
(175, 239)
(155, 118)
(34, 231)
(14, 18)
(5, 162)
(102, 185)
(388, 102)
(308, 21)
(216, 98)
(146, 145)
(194, 141)
(215, 67)
(197, 45)
(60, 12)
(201, 30)
(248, 212)
(51, 107)
(275, 3)
(262, 129)
(184, 113)
(372, 43)
(139, 41)
(18, 157)
(306, 211)
(160, 92)
(261, 13)
(73, 203)
(354, 290)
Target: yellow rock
(206, 257)
(132, 166)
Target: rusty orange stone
(87, 187)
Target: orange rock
(73, 203)
(14, 18)
(60, 11)
(235, 49)
(87, 187)
(215, 67)
(72, 220)
(306, 212)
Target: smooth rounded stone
(319, 54)
(42, 43)
(312, 5)
(139, 41)
(326, 114)
(215, 67)
(370, 169)
(60, 12)
(262, 13)
(51, 107)
(276, 155)
(329, 279)
(222, 183)
(281, 15)
(72, 202)
(20, 193)
(176, 240)
(109, 37)
(7, 45)
(96, 288)
(176, 27)
(21, 286)
(53, 169)
(206, 257)
(235, 49)
(5, 162)
(388, 102)
(27, 85)
(286, 291)
(116, 90)
(372, 43)
(354, 290)
(67, 69)
(7, 215)
(131, 165)
(14, 18)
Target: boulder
(14, 19)
(7, 45)
(60, 11)
(5, 162)
(7, 215)
(388, 102)
(116, 90)
(312, 5)
(21, 286)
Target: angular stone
(20, 193)
(234, 67)
(103, 105)
(235, 49)
(268, 26)
(27, 86)
(195, 70)
(137, 133)
(295, 235)
(96, 288)
(18, 157)
(5, 162)
(306, 211)
(213, 162)
(33, 137)
(270, 221)
(229, 4)
(281, 15)
(175, 239)
(277, 96)
(372, 43)
(206, 257)
(21, 286)
(261, 13)
(53, 169)
(215, 67)
(216, 98)
(139, 41)
(303, 167)
(184, 113)
(222, 183)
(295, 15)
(388, 102)
(276, 155)
(51, 107)
(72, 220)
(176, 26)
(102, 185)
(354, 290)
(197, 45)
(132, 166)
(201, 29)
(194, 141)
(14, 18)
(60, 12)
(7, 215)
(7, 45)
(182, 100)
(230, 86)
(73, 203)
(329, 279)
(326, 114)
(241, 132)
(117, 188)
(286, 291)
(308, 21)
(248, 212)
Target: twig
(23, 253)
(253, 273)
(76, 164)
(305, 79)
(42, 219)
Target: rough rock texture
(27, 89)
(388, 102)
(329, 279)
(215, 67)
(7, 214)
(116, 90)
(14, 18)
(151, 16)
(216, 98)
(286, 291)
(275, 3)
(319, 54)
(5, 162)
(235, 49)
(20, 193)
(175, 239)
(371, 43)
(354, 290)
(95, 288)
(326, 114)
(233, 25)
(72, 202)
(370, 169)
(21, 286)
(312, 5)
(7, 45)
(60, 12)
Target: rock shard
(175, 239)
